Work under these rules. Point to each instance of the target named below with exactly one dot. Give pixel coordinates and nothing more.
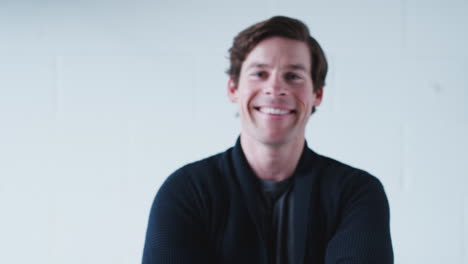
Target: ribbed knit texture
(206, 212)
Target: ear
(318, 97)
(232, 90)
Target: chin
(271, 137)
(274, 139)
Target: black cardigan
(206, 212)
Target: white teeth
(273, 111)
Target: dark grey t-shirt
(277, 214)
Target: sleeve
(176, 230)
(363, 233)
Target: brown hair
(278, 26)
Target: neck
(272, 162)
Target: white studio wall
(101, 100)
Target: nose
(275, 86)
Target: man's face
(275, 91)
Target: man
(271, 199)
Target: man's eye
(259, 74)
(293, 76)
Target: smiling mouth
(274, 111)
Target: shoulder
(343, 184)
(198, 171)
(196, 181)
(342, 175)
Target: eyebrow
(297, 67)
(259, 65)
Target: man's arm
(363, 234)
(176, 232)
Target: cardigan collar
(304, 182)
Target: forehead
(279, 52)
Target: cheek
(247, 97)
(304, 98)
